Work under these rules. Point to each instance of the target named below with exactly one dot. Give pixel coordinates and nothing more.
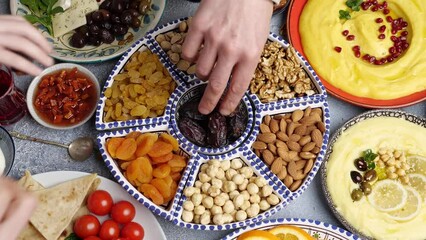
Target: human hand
(233, 33)
(16, 207)
(20, 40)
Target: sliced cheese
(65, 4)
(73, 17)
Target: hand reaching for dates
(233, 34)
(20, 40)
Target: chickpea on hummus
(376, 51)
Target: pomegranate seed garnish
(380, 7)
(372, 59)
(382, 28)
(377, 62)
(392, 50)
(394, 39)
(345, 33)
(356, 48)
(394, 31)
(389, 58)
(389, 19)
(375, 2)
(338, 49)
(350, 37)
(405, 45)
(385, 4)
(379, 20)
(365, 6)
(383, 61)
(404, 33)
(382, 36)
(366, 57)
(404, 24)
(374, 9)
(403, 39)
(396, 55)
(357, 54)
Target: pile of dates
(113, 19)
(213, 130)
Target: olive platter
(181, 105)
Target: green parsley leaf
(344, 15)
(354, 4)
(42, 12)
(369, 157)
(72, 236)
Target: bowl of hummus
(365, 52)
(374, 175)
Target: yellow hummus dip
(375, 133)
(321, 31)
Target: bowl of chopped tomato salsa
(63, 96)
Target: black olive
(360, 164)
(117, 6)
(106, 25)
(366, 188)
(356, 194)
(370, 175)
(106, 36)
(95, 41)
(89, 19)
(134, 4)
(78, 40)
(123, 29)
(94, 30)
(144, 6)
(134, 12)
(136, 22)
(114, 18)
(97, 16)
(83, 30)
(356, 177)
(105, 14)
(126, 4)
(105, 4)
(126, 17)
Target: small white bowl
(34, 85)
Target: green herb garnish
(369, 157)
(72, 236)
(355, 5)
(344, 15)
(42, 12)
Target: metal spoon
(80, 149)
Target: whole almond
(283, 125)
(278, 117)
(300, 164)
(294, 172)
(282, 136)
(316, 150)
(291, 127)
(273, 125)
(272, 148)
(281, 144)
(316, 136)
(266, 137)
(287, 116)
(304, 140)
(297, 115)
(293, 146)
(317, 117)
(317, 111)
(282, 174)
(257, 152)
(300, 130)
(294, 137)
(308, 166)
(309, 129)
(321, 126)
(307, 111)
(276, 166)
(283, 154)
(294, 156)
(288, 121)
(307, 155)
(295, 185)
(308, 147)
(267, 156)
(264, 128)
(267, 120)
(288, 180)
(308, 120)
(259, 145)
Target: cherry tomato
(132, 231)
(123, 212)
(92, 238)
(86, 226)
(99, 202)
(109, 230)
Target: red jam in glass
(65, 97)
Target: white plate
(317, 229)
(143, 216)
(62, 50)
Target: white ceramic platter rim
(143, 216)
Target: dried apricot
(162, 187)
(160, 148)
(133, 170)
(151, 192)
(162, 159)
(112, 145)
(124, 165)
(176, 169)
(177, 161)
(145, 175)
(145, 143)
(134, 135)
(175, 176)
(126, 150)
(170, 139)
(168, 180)
(161, 171)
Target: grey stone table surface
(40, 158)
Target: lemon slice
(387, 195)
(290, 233)
(411, 208)
(417, 164)
(418, 182)
(257, 235)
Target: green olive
(356, 194)
(370, 175)
(366, 188)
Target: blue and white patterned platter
(63, 51)
(318, 230)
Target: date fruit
(193, 131)
(218, 129)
